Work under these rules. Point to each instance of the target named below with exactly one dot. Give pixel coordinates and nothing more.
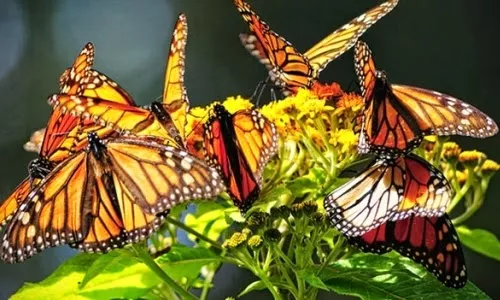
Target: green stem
(459, 196)
(285, 258)
(310, 145)
(206, 285)
(477, 202)
(193, 232)
(248, 262)
(337, 248)
(153, 266)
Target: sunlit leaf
(116, 275)
(63, 282)
(303, 185)
(370, 276)
(481, 241)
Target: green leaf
(62, 283)
(186, 262)
(259, 285)
(371, 276)
(275, 194)
(319, 174)
(116, 275)
(104, 262)
(310, 276)
(254, 286)
(480, 240)
(210, 224)
(303, 185)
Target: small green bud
(318, 219)
(284, 211)
(309, 207)
(257, 220)
(297, 210)
(272, 235)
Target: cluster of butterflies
(399, 201)
(108, 170)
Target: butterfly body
(165, 120)
(113, 192)
(397, 117)
(239, 145)
(159, 110)
(290, 69)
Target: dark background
(449, 45)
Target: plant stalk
(153, 266)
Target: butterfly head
(381, 85)
(382, 75)
(219, 110)
(96, 145)
(39, 168)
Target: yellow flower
(346, 138)
(490, 167)
(462, 177)
(472, 158)
(280, 113)
(236, 240)
(315, 136)
(255, 241)
(234, 104)
(451, 151)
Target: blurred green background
(447, 45)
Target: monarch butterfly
(429, 241)
(396, 117)
(63, 135)
(164, 120)
(80, 80)
(290, 69)
(239, 145)
(112, 193)
(388, 190)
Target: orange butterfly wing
(10, 205)
(396, 117)
(429, 241)
(239, 146)
(288, 67)
(81, 80)
(342, 39)
(70, 81)
(388, 190)
(50, 215)
(175, 99)
(120, 117)
(292, 69)
(443, 114)
(113, 193)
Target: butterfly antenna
(273, 94)
(257, 89)
(261, 90)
